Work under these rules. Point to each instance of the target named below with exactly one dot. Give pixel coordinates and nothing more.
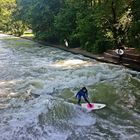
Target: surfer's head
(84, 89)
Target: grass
(28, 34)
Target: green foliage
(110, 15)
(102, 45)
(134, 33)
(65, 23)
(7, 21)
(39, 15)
(17, 28)
(6, 9)
(95, 25)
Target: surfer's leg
(79, 100)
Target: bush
(100, 46)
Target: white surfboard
(94, 106)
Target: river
(56, 76)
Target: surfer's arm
(76, 95)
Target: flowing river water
(56, 76)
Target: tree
(96, 25)
(65, 22)
(110, 14)
(134, 34)
(6, 9)
(39, 15)
(8, 22)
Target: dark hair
(84, 88)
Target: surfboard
(95, 106)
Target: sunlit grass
(28, 34)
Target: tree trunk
(114, 28)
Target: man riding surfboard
(83, 93)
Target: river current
(28, 67)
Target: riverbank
(130, 59)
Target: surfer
(83, 93)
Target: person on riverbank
(120, 51)
(83, 93)
(66, 43)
